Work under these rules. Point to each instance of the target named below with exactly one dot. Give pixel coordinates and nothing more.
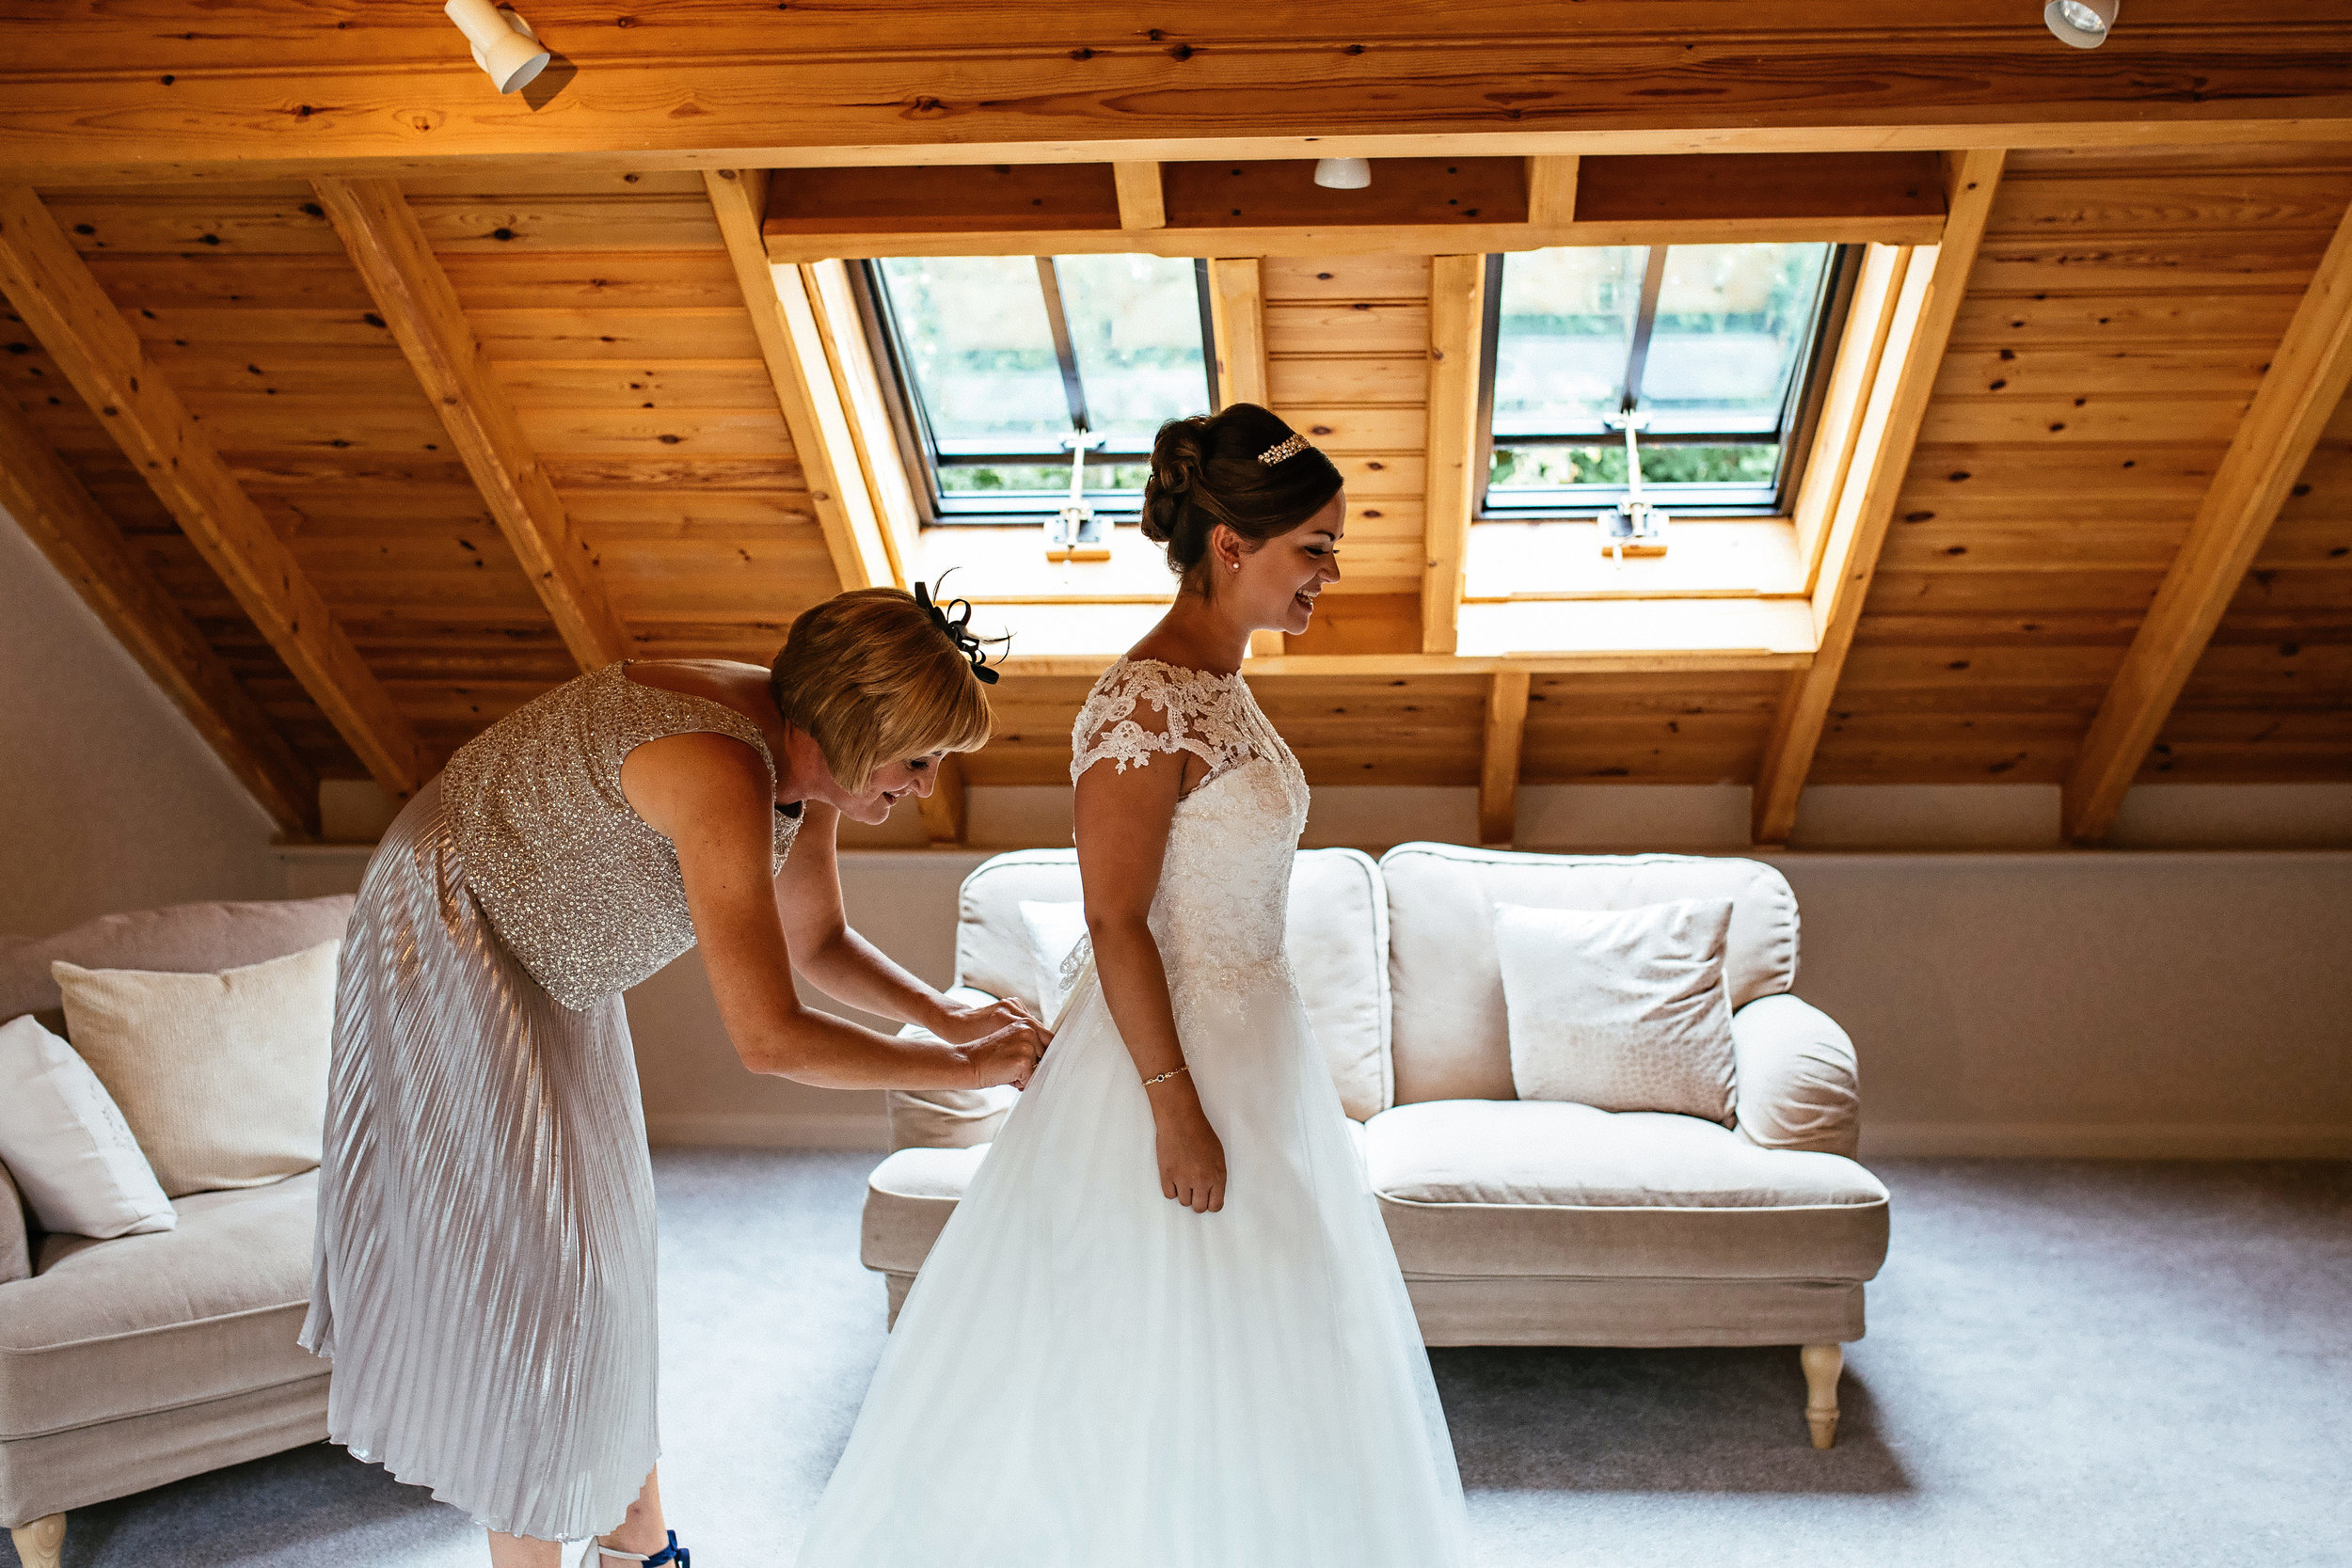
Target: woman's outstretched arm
(708, 794)
(1122, 820)
(844, 965)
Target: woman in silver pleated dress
(486, 1264)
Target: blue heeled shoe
(671, 1553)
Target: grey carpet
(2069, 1363)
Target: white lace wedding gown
(1089, 1375)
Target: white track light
(504, 44)
(1344, 174)
(2083, 23)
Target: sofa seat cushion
(908, 1200)
(1483, 1189)
(142, 1323)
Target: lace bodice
(1225, 881)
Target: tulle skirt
(1089, 1375)
(483, 1277)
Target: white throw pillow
(1054, 931)
(1620, 1009)
(65, 1142)
(222, 1077)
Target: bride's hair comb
(954, 617)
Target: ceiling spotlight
(504, 44)
(1345, 174)
(2083, 23)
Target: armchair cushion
(142, 1323)
(1496, 1188)
(1798, 1085)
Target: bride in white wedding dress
(1165, 1327)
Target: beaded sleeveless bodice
(586, 896)
(1224, 889)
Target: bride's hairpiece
(958, 629)
(1280, 450)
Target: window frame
(919, 447)
(1800, 416)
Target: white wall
(109, 799)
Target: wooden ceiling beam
(783, 313)
(178, 88)
(1552, 191)
(857, 380)
(1142, 200)
(386, 244)
(1457, 305)
(1413, 205)
(1237, 320)
(2300, 392)
(1660, 661)
(88, 551)
(51, 288)
(1925, 302)
(1499, 770)
(947, 810)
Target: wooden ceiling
(365, 419)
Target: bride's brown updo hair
(1205, 471)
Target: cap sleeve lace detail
(1141, 706)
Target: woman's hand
(1192, 1158)
(961, 1024)
(1007, 1056)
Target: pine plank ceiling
(2146, 253)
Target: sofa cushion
(222, 1076)
(183, 939)
(908, 1200)
(65, 1142)
(1449, 1031)
(1337, 937)
(1495, 1188)
(141, 1324)
(1619, 1008)
(16, 1232)
(1055, 928)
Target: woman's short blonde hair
(872, 679)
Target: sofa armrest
(16, 1240)
(1798, 1085)
(947, 1118)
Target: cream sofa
(129, 1363)
(1517, 1222)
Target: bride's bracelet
(1150, 1083)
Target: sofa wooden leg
(40, 1543)
(1822, 1365)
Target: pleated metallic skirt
(485, 1257)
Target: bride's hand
(1192, 1158)
(1009, 1055)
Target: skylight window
(1011, 369)
(1708, 351)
